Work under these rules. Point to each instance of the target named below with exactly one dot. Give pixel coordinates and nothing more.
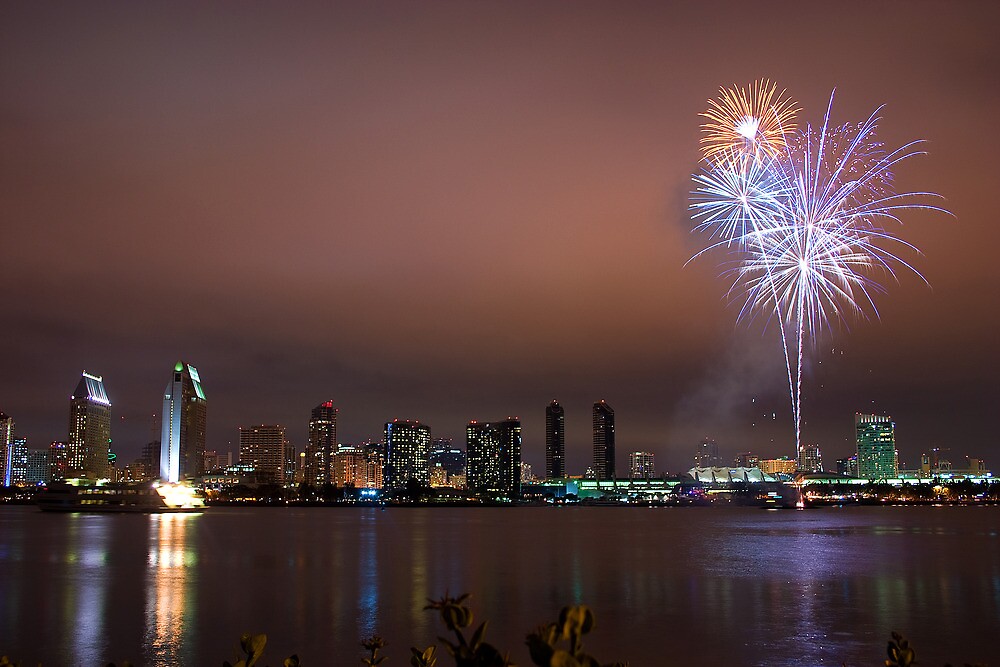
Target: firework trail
(803, 212)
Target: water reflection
(83, 604)
(778, 589)
(368, 580)
(170, 589)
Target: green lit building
(876, 439)
(182, 437)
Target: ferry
(147, 497)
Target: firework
(806, 220)
(750, 120)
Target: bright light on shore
(179, 494)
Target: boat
(143, 497)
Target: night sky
(455, 211)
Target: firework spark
(751, 120)
(805, 219)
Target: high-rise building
(641, 466)
(555, 441)
(747, 460)
(58, 461)
(322, 445)
(6, 448)
(407, 447)
(263, 447)
(288, 463)
(848, 466)
(374, 465)
(707, 454)
(810, 458)
(493, 457)
(37, 470)
(89, 429)
(876, 439)
(604, 441)
(350, 467)
(182, 435)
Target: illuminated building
(493, 457)
(375, 465)
(555, 441)
(37, 468)
(407, 447)
(288, 463)
(848, 466)
(58, 461)
(350, 467)
(747, 460)
(6, 448)
(263, 448)
(783, 465)
(641, 465)
(527, 476)
(438, 476)
(446, 463)
(182, 436)
(876, 439)
(15, 463)
(89, 429)
(322, 445)
(810, 459)
(707, 454)
(604, 441)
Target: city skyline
(445, 211)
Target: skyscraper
(16, 466)
(555, 441)
(641, 466)
(407, 447)
(37, 469)
(876, 439)
(322, 445)
(604, 441)
(58, 461)
(89, 429)
(182, 438)
(707, 454)
(493, 457)
(6, 448)
(810, 458)
(264, 447)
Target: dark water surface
(669, 586)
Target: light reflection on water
(782, 588)
(84, 603)
(170, 589)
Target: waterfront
(669, 586)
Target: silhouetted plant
(253, 646)
(373, 645)
(900, 653)
(574, 622)
(472, 652)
